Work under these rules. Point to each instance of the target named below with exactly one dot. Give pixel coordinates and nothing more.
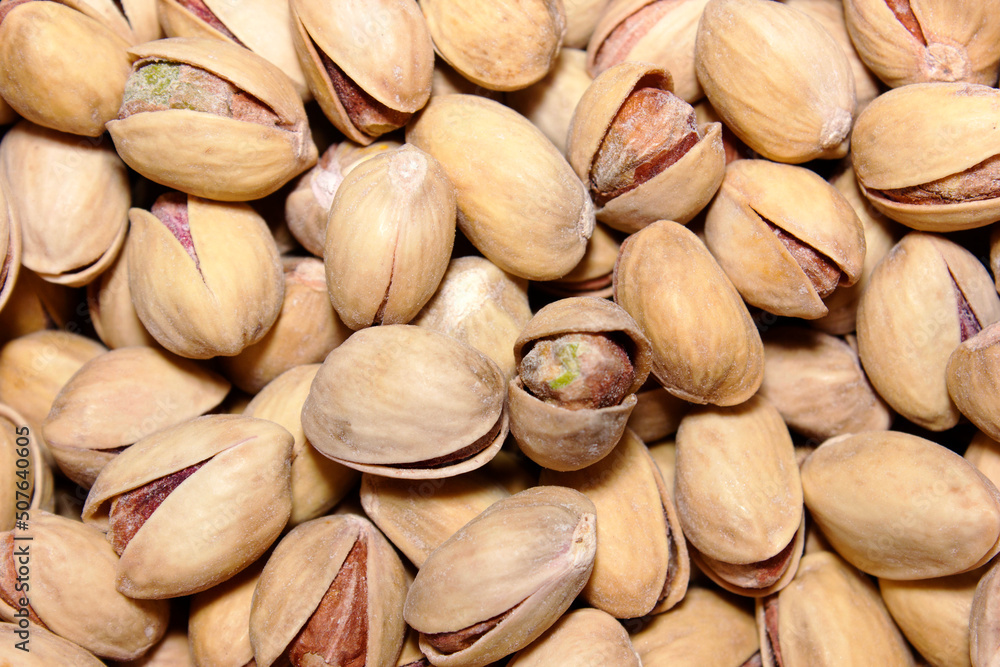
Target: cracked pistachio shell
(662, 33)
(389, 237)
(419, 515)
(784, 236)
(18, 441)
(70, 198)
(706, 348)
(926, 297)
(480, 305)
(317, 482)
(404, 401)
(739, 496)
(60, 68)
(497, 45)
(141, 390)
(817, 383)
(708, 628)
(213, 291)
(109, 303)
(676, 192)
(516, 567)
(519, 201)
(209, 155)
(972, 378)
(924, 155)
(583, 638)
(72, 589)
(641, 566)
(350, 600)
(369, 64)
(44, 649)
(217, 521)
(219, 622)
(10, 249)
(559, 437)
(935, 615)
(798, 108)
(251, 23)
(897, 506)
(984, 637)
(927, 40)
(829, 614)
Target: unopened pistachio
(109, 303)
(46, 649)
(219, 622)
(584, 638)
(984, 639)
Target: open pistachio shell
(504, 578)
(897, 506)
(230, 502)
(550, 432)
(519, 201)
(38, 647)
(220, 157)
(219, 622)
(706, 348)
(925, 155)
(405, 401)
(641, 566)
(584, 638)
(344, 608)
(926, 297)
(73, 569)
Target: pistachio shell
(593, 275)
(983, 637)
(657, 413)
(897, 506)
(585, 638)
(219, 622)
(549, 104)
(26, 472)
(971, 373)
(10, 256)
(984, 453)
(35, 305)
(109, 303)
(38, 647)
(581, 18)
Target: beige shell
(706, 348)
(219, 621)
(38, 647)
(134, 21)
(983, 637)
(523, 560)
(677, 192)
(10, 242)
(798, 108)
(927, 40)
(757, 200)
(70, 199)
(73, 569)
(971, 376)
(221, 519)
(984, 453)
(497, 45)
(35, 304)
(641, 566)
(897, 506)
(739, 497)
(317, 482)
(557, 437)
(581, 19)
(519, 201)
(922, 133)
(405, 401)
(925, 297)
(27, 482)
(583, 638)
(550, 103)
(294, 582)
(593, 275)
(109, 303)
(220, 158)
(75, 90)
(657, 413)
(217, 304)
(389, 237)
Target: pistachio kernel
(453, 642)
(771, 628)
(365, 112)
(821, 271)
(903, 12)
(578, 371)
(977, 183)
(172, 210)
(968, 324)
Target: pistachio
(10, 250)
(984, 453)
(343, 609)
(585, 638)
(798, 108)
(35, 305)
(984, 640)
(593, 275)
(640, 150)
(657, 413)
(581, 19)
(244, 129)
(46, 649)
(30, 480)
(970, 376)
(549, 104)
(219, 622)
(578, 371)
(504, 578)
(109, 303)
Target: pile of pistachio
(548, 333)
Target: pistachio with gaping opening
(578, 371)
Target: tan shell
(971, 377)
(26, 472)
(678, 192)
(583, 638)
(35, 304)
(921, 133)
(109, 303)
(519, 201)
(984, 639)
(830, 614)
(641, 566)
(798, 108)
(663, 278)
(593, 275)
(229, 299)
(581, 18)
(221, 519)
(657, 413)
(219, 622)
(758, 197)
(910, 320)
(75, 90)
(10, 256)
(984, 453)
(550, 103)
(42, 649)
(556, 437)
(500, 46)
(134, 21)
(294, 582)
(220, 158)
(70, 199)
(525, 559)
(400, 400)
(73, 569)
(897, 506)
